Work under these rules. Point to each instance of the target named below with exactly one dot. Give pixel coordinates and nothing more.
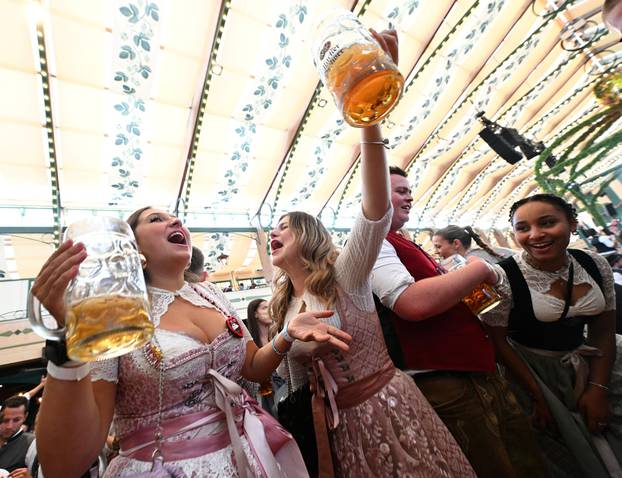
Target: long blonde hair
(318, 255)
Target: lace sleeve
(107, 370)
(500, 315)
(607, 274)
(357, 259)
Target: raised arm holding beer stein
(176, 406)
(358, 67)
(369, 418)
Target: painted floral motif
(339, 238)
(398, 13)
(499, 163)
(136, 29)
(477, 23)
(586, 82)
(483, 94)
(509, 117)
(216, 246)
(478, 19)
(401, 12)
(259, 99)
(316, 166)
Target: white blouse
(546, 307)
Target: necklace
(529, 260)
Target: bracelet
(285, 334)
(599, 385)
(384, 143)
(72, 374)
(277, 351)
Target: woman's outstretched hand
(307, 328)
(54, 277)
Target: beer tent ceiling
(214, 107)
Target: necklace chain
(529, 260)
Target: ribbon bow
(576, 360)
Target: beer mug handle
(36, 321)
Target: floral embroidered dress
(190, 393)
(382, 426)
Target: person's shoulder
(505, 251)
(595, 256)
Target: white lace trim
(173, 343)
(546, 307)
(161, 299)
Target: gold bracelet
(599, 385)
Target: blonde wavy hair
(318, 255)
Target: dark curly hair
(568, 209)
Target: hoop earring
(143, 260)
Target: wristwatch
(55, 351)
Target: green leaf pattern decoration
(479, 99)
(215, 245)
(462, 40)
(479, 148)
(398, 13)
(259, 99)
(136, 31)
(523, 166)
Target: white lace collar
(197, 294)
(561, 272)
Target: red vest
(453, 340)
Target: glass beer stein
(483, 298)
(106, 304)
(362, 78)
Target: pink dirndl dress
(211, 427)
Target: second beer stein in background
(483, 298)
(362, 78)
(106, 304)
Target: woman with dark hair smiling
(568, 384)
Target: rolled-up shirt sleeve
(389, 277)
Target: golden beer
(360, 75)
(106, 326)
(482, 299)
(363, 97)
(265, 389)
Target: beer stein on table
(483, 298)
(360, 75)
(106, 304)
